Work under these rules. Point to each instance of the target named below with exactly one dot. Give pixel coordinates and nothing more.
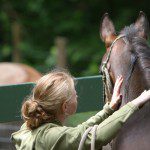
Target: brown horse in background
(129, 56)
(14, 73)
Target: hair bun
(34, 115)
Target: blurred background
(65, 33)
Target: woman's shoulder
(38, 136)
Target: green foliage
(78, 20)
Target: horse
(128, 54)
(16, 73)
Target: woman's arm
(99, 117)
(65, 138)
(109, 128)
(69, 138)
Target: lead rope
(93, 137)
(84, 136)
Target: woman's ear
(64, 107)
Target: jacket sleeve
(69, 138)
(109, 128)
(99, 117)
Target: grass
(79, 118)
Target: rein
(108, 86)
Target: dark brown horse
(129, 56)
(14, 73)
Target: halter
(107, 93)
(108, 86)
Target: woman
(52, 101)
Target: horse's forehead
(116, 49)
(119, 46)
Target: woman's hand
(142, 99)
(116, 97)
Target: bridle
(107, 83)
(108, 88)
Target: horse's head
(123, 52)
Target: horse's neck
(135, 86)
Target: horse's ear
(107, 28)
(142, 25)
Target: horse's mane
(139, 49)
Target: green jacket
(54, 136)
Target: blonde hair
(47, 97)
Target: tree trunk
(61, 44)
(16, 40)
